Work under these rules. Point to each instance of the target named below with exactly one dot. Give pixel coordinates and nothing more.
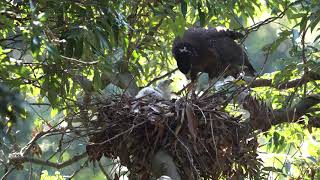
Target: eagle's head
(183, 52)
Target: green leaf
(317, 38)
(313, 159)
(274, 45)
(284, 75)
(35, 44)
(52, 96)
(78, 49)
(314, 22)
(97, 79)
(68, 52)
(53, 113)
(42, 17)
(44, 86)
(303, 23)
(202, 15)
(296, 16)
(52, 49)
(272, 169)
(275, 138)
(184, 8)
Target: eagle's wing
(232, 53)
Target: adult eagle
(210, 51)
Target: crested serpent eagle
(210, 51)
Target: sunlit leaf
(314, 23)
(202, 15)
(97, 80)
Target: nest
(203, 141)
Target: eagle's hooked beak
(188, 75)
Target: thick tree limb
(310, 76)
(163, 164)
(263, 117)
(314, 122)
(294, 113)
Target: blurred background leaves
(54, 53)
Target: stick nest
(203, 141)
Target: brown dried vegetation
(204, 141)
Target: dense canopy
(70, 71)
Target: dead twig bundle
(203, 141)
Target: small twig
(212, 84)
(304, 59)
(120, 134)
(184, 88)
(28, 147)
(214, 142)
(160, 77)
(303, 53)
(23, 159)
(79, 61)
(40, 104)
(4, 177)
(256, 26)
(204, 116)
(188, 151)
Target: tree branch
(4, 177)
(264, 117)
(256, 26)
(310, 76)
(294, 113)
(160, 77)
(23, 159)
(163, 164)
(79, 61)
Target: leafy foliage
(59, 54)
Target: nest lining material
(203, 142)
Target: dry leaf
(180, 123)
(192, 121)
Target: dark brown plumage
(210, 51)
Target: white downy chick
(161, 92)
(164, 87)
